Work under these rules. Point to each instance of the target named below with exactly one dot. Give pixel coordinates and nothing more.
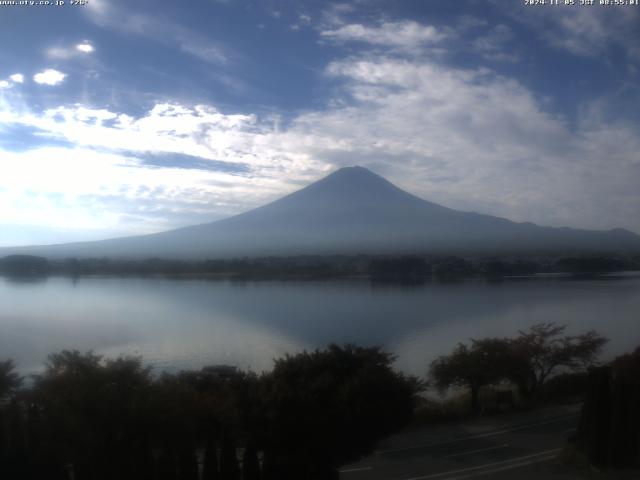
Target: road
(520, 446)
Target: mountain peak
(345, 194)
(355, 171)
(353, 179)
(353, 168)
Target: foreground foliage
(527, 361)
(330, 407)
(90, 418)
(609, 431)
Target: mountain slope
(350, 211)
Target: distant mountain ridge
(350, 211)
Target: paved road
(520, 446)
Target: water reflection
(180, 324)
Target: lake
(178, 324)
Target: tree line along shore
(381, 267)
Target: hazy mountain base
(352, 211)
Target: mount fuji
(350, 211)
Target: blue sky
(121, 118)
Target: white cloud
(303, 20)
(170, 33)
(67, 52)
(495, 45)
(104, 175)
(406, 35)
(466, 138)
(474, 140)
(584, 32)
(200, 131)
(17, 78)
(587, 32)
(60, 53)
(85, 47)
(201, 49)
(97, 9)
(469, 22)
(335, 14)
(4, 84)
(49, 77)
(83, 188)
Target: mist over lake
(176, 324)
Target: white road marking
(357, 469)
(508, 467)
(479, 435)
(504, 445)
(504, 465)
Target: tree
(96, 413)
(210, 469)
(24, 265)
(542, 350)
(330, 407)
(480, 364)
(406, 267)
(528, 360)
(229, 467)
(10, 381)
(13, 444)
(609, 430)
(250, 463)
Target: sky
(123, 118)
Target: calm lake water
(177, 324)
